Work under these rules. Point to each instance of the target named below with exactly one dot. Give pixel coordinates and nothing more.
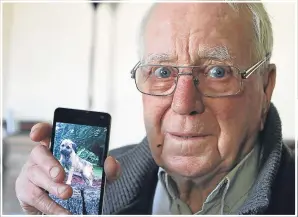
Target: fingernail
(62, 189)
(54, 172)
(33, 130)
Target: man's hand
(43, 172)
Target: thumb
(112, 168)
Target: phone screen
(81, 149)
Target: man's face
(191, 135)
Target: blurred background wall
(46, 51)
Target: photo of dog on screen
(73, 163)
(80, 149)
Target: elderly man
(213, 144)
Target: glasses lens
(219, 80)
(214, 80)
(156, 80)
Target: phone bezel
(84, 117)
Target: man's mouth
(187, 136)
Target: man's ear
(269, 81)
(269, 78)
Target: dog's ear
(75, 147)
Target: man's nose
(187, 100)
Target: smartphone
(80, 142)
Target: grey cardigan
(272, 193)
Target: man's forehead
(220, 52)
(185, 10)
(210, 35)
(204, 51)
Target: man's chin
(189, 167)
(190, 146)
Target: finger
(21, 189)
(42, 157)
(29, 210)
(41, 201)
(112, 168)
(34, 200)
(41, 132)
(42, 180)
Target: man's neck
(195, 192)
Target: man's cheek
(154, 134)
(155, 138)
(227, 109)
(154, 111)
(233, 129)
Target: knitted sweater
(272, 193)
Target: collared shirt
(226, 198)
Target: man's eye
(217, 72)
(162, 72)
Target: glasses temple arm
(248, 72)
(133, 71)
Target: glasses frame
(243, 73)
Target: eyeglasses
(211, 80)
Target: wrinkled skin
(227, 127)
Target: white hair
(261, 26)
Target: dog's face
(67, 147)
